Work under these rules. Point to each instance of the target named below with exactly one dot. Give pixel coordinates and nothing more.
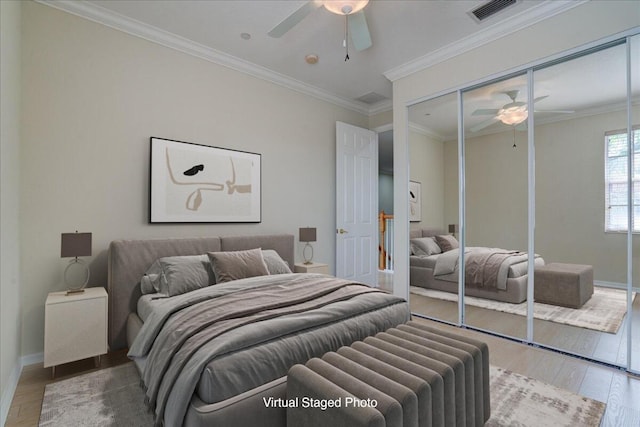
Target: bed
(257, 328)
(439, 270)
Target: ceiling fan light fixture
(513, 115)
(345, 7)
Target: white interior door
(356, 203)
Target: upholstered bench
(412, 375)
(567, 285)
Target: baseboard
(32, 359)
(615, 285)
(9, 391)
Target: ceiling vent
(371, 98)
(490, 8)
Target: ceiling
(406, 35)
(579, 87)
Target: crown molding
(419, 129)
(516, 23)
(381, 107)
(153, 34)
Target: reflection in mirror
(635, 120)
(433, 130)
(580, 168)
(496, 206)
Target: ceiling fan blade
(292, 20)
(485, 112)
(483, 125)
(359, 31)
(540, 98)
(555, 111)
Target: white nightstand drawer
(75, 326)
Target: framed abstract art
(415, 202)
(200, 183)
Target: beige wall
(381, 119)
(570, 208)
(569, 194)
(583, 24)
(93, 96)
(10, 283)
(427, 167)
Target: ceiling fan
(512, 113)
(351, 9)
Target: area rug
(113, 397)
(603, 312)
(517, 400)
(108, 397)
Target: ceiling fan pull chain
(514, 136)
(346, 37)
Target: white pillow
(275, 264)
(424, 246)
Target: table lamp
(75, 245)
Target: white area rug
(108, 397)
(517, 400)
(112, 397)
(603, 312)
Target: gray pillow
(181, 274)
(447, 242)
(275, 264)
(424, 246)
(150, 282)
(234, 265)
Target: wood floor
(606, 347)
(620, 391)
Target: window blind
(616, 180)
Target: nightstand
(75, 327)
(314, 267)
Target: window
(616, 180)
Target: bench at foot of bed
(412, 375)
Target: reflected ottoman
(566, 285)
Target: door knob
(342, 231)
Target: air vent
(371, 98)
(491, 8)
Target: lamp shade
(308, 234)
(75, 245)
(452, 228)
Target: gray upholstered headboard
(426, 232)
(129, 259)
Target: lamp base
(307, 259)
(74, 280)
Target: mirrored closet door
(580, 204)
(495, 158)
(545, 172)
(433, 149)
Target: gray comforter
(484, 267)
(188, 331)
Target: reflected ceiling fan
(512, 113)
(352, 10)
